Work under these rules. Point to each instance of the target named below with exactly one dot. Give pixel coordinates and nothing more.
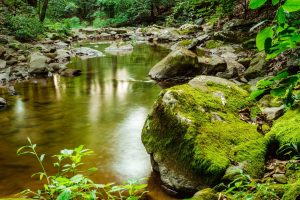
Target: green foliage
(283, 86)
(24, 27)
(281, 36)
(244, 187)
(69, 183)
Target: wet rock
(119, 49)
(70, 72)
(2, 64)
(38, 63)
(3, 103)
(273, 113)
(280, 178)
(257, 67)
(56, 66)
(85, 52)
(190, 150)
(179, 63)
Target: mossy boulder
(257, 67)
(286, 129)
(206, 194)
(179, 63)
(192, 131)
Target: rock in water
(85, 52)
(179, 63)
(190, 150)
(119, 49)
(3, 103)
(38, 63)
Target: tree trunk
(33, 3)
(44, 10)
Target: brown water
(104, 109)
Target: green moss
(182, 126)
(286, 128)
(211, 44)
(206, 194)
(185, 43)
(252, 154)
(293, 191)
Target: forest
(150, 99)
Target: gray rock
(211, 65)
(273, 113)
(12, 61)
(22, 58)
(119, 49)
(38, 63)
(3, 103)
(70, 72)
(179, 63)
(280, 178)
(257, 67)
(85, 52)
(233, 69)
(2, 64)
(62, 55)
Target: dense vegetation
(36, 16)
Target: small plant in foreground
(69, 183)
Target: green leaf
(275, 2)
(42, 157)
(65, 195)
(254, 4)
(262, 37)
(256, 93)
(291, 5)
(281, 17)
(278, 92)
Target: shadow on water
(104, 109)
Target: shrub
(25, 28)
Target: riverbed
(103, 109)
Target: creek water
(103, 109)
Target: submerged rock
(191, 151)
(179, 63)
(119, 49)
(86, 52)
(70, 72)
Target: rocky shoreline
(203, 131)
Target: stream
(103, 109)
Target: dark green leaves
(254, 4)
(291, 5)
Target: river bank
(201, 133)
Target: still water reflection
(104, 109)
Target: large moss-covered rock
(192, 131)
(286, 128)
(179, 63)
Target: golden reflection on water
(104, 109)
